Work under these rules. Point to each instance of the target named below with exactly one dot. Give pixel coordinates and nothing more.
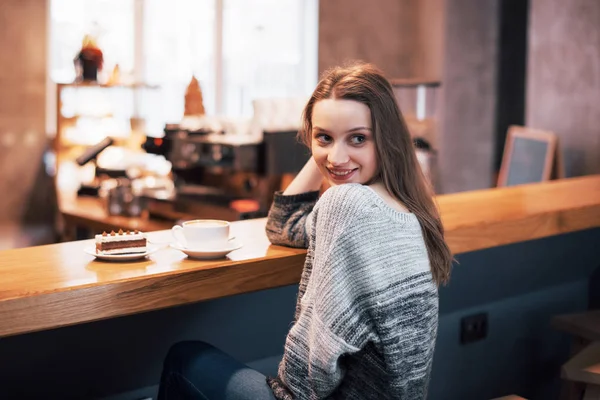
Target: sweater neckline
(400, 216)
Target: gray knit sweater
(367, 311)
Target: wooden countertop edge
(189, 286)
(470, 236)
(98, 302)
(487, 234)
(93, 302)
(515, 230)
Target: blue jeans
(199, 371)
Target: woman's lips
(339, 174)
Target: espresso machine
(224, 176)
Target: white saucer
(121, 257)
(208, 254)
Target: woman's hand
(309, 179)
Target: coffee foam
(205, 224)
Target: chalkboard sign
(529, 156)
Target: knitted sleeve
(286, 222)
(332, 322)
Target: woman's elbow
(275, 233)
(274, 236)
(281, 239)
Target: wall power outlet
(473, 328)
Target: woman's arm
(331, 322)
(286, 223)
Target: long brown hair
(398, 170)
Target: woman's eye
(323, 138)
(358, 139)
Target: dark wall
(520, 287)
(512, 70)
(563, 78)
(468, 95)
(385, 34)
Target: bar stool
(579, 373)
(584, 368)
(584, 326)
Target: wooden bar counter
(58, 285)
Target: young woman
(367, 311)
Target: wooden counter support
(57, 285)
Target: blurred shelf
(90, 117)
(138, 85)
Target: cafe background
(499, 62)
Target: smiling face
(342, 141)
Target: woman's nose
(338, 155)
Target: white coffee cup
(207, 234)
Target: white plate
(208, 254)
(121, 257)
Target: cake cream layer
(128, 250)
(121, 244)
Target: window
(239, 50)
(179, 41)
(109, 20)
(264, 53)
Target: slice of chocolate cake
(121, 243)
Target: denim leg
(198, 371)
